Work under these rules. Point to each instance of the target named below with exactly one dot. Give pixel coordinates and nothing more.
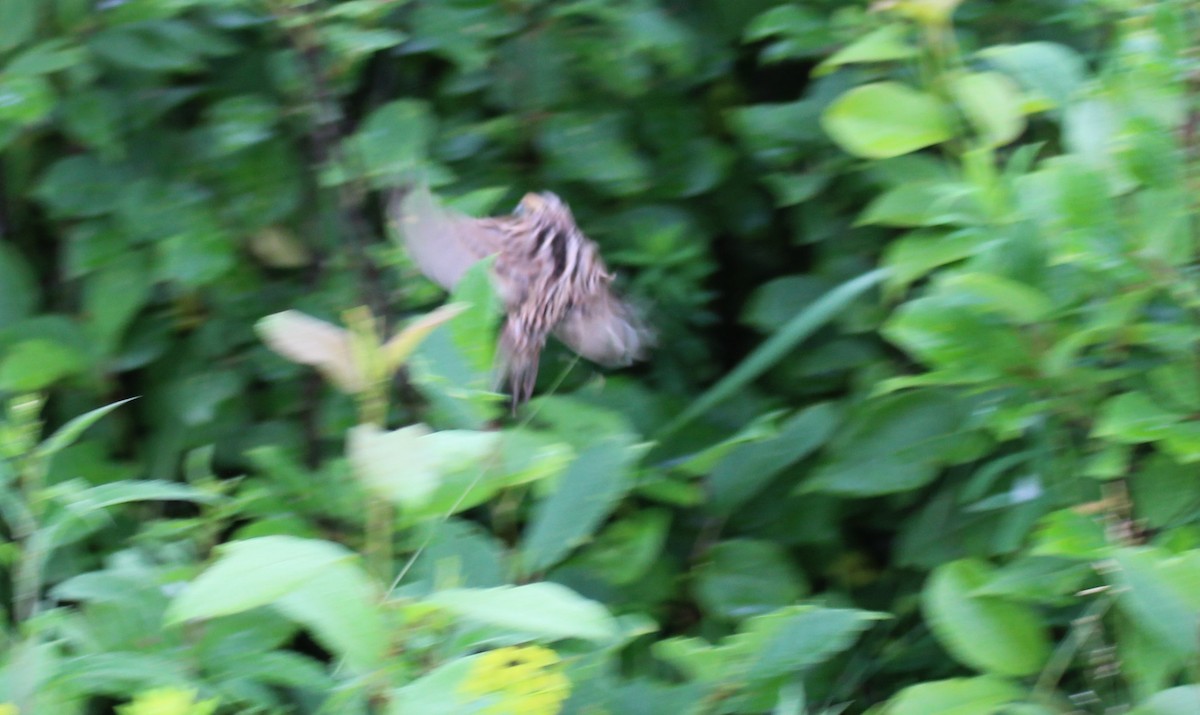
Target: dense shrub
(919, 435)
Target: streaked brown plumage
(548, 274)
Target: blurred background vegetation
(919, 436)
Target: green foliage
(919, 435)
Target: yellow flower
(168, 701)
(9, 709)
(520, 680)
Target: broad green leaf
(925, 203)
(440, 692)
(761, 428)
(773, 304)
(341, 608)
(18, 21)
(992, 102)
(786, 641)
(805, 323)
(956, 696)
(46, 57)
(406, 466)
(1053, 71)
(241, 121)
(524, 457)
(1181, 700)
(1161, 595)
(38, 363)
(742, 578)
(1164, 492)
(797, 33)
(892, 444)
(1134, 417)
(394, 139)
(17, 284)
(544, 609)
(112, 297)
(24, 100)
(80, 186)
(888, 43)
(585, 495)
(593, 148)
(749, 468)
(918, 253)
(627, 549)
(1010, 299)
(965, 345)
(989, 634)
(1070, 534)
(886, 119)
(257, 572)
(774, 133)
(151, 46)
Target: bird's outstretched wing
(605, 330)
(443, 243)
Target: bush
(917, 437)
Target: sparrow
(548, 275)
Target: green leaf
(888, 43)
(1070, 534)
(1053, 71)
(593, 148)
(1181, 700)
(341, 608)
(36, 364)
(992, 102)
(985, 633)
(406, 466)
(440, 692)
(1134, 417)
(150, 46)
(1161, 595)
(749, 468)
(956, 696)
(112, 297)
(963, 343)
(18, 22)
(18, 286)
(916, 254)
(238, 122)
(80, 186)
(805, 323)
(629, 548)
(545, 610)
(786, 641)
(925, 203)
(892, 444)
(24, 100)
(393, 140)
(774, 133)
(886, 119)
(742, 578)
(46, 57)
(585, 495)
(1010, 299)
(257, 572)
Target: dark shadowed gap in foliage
(747, 262)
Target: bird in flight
(547, 273)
